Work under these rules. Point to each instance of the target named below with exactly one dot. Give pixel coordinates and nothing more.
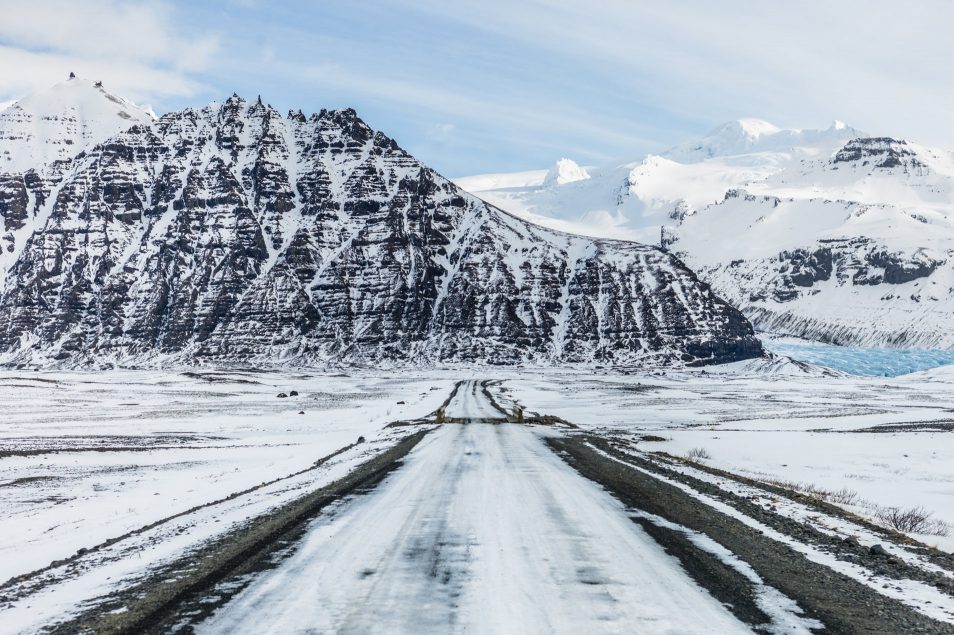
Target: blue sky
(495, 85)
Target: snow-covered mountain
(749, 136)
(232, 233)
(826, 234)
(58, 123)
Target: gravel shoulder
(189, 589)
(841, 603)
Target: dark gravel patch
(919, 426)
(844, 550)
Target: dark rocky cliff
(236, 234)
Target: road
(471, 404)
(482, 530)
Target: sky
(504, 85)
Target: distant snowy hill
(234, 234)
(826, 234)
(749, 136)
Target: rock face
(233, 234)
(879, 152)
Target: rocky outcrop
(789, 294)
(878, 152)
(804, 268)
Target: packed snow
(469, 403)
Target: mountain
(565, 171)
(233, 234)
(831, 234)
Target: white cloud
(138, 48)
(503, 111)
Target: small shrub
(915, 520)
(843, 496)
(698, 454)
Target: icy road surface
(469, 402)
(483, 529)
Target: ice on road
(469, 403)
(485, 530)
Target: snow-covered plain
(86, 458)
(821, 431)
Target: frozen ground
(87, 458)
(106, 477)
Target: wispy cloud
(140, 48)
(442, 132)
(523, 83)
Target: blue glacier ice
(868, 362)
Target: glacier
(861, 361)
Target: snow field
(86, 458)
(777, 428)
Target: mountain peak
(565, 171)
(748, 127)
(879, 152)
(59, 122)
(749, 135)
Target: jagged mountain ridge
(831, 235)
(232, 234)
